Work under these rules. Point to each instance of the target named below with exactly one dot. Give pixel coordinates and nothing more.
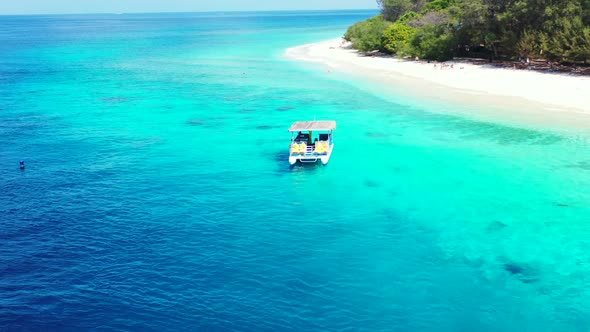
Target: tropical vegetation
(554, 30)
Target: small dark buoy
(22, 165)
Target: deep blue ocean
(157, 195)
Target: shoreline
(505, 95)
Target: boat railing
(309, 151)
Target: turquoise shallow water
(158, 196)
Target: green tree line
(556, 30)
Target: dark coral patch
(371, 184)
(523, 272)
(585, 165)
(513, 268)
(496, 226)
(265, 127)
(195, 122)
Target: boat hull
(311, 158)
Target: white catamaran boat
(311, 141)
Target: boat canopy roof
(322, 125)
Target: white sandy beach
(561, 97)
